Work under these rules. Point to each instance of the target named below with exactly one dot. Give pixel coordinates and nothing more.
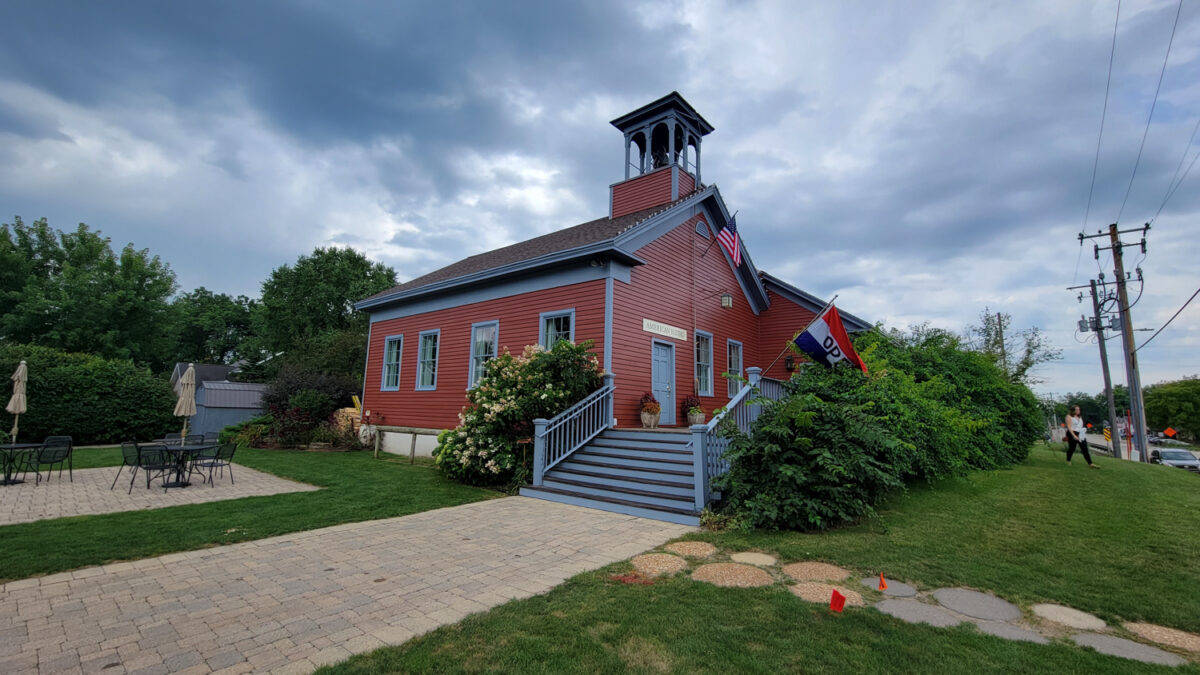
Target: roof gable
(811, 302)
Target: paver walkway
(89, 493)
(294, 602)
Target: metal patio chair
(55, 450)
(194, 439)
(211, 437)
(220, 458)
(172, 439)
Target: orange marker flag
(837, 602)
(882, 582)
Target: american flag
(728, 237)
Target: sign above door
(659, 328)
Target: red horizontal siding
(681, 286)
(687, 183)
(777, 326)
(644, 192)
(519, 325)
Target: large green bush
(491, 445)
(929, 408)
(91, 399)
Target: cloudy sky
(923, 160)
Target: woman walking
(1077, 436)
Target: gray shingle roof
(590, 232)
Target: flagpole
(814, 320)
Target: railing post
(753, 375)
(539, 449)
(700, 464)
(610, 419)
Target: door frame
(665, 406)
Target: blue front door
(663, 380)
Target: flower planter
(650, 420)
(697, 418)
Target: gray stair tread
(615, 500)
(631, 479)
(689, 499)
(610, 465)
(609, 454)
(622, 444)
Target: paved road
(292, 603)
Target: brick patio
(292, 603)
(89, 494)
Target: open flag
(728, 236)
(825, 341)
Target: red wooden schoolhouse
(667, 309)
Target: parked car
(1177, 458)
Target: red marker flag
(1169, 432)
(837, 602)
(882, 582)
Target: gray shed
(222, 403)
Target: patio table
(183, 454)
(9, 452)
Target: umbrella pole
(183, 435)
(12, 437)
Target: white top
(1078, 428)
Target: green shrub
(808, 464)
(247, 433)
(292, 381)
(491, 445)
(928, 409)
(91, 399)
(312, 403)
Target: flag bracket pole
(814, 320)
(710, 244)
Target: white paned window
(557, 326)
(704, 364)
(427, 360)
(735, 367)
(393, 346)
(483, 348)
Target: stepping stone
(658, 564)
(1166, 636)
(1068, 617)
(692, 549)
(977, 605)
(732, 575)
(1010, 632)
(760, 559)
(895, 588)
(812, 591)
(914, 611)
(1127, 649)
(815, 571)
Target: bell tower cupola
(662, 154)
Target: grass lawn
(1121, 542)
(357, 487)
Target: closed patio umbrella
(185, 407)
(16, 404)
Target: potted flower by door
(651, 411)
(691, 408)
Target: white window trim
(735, 385)
(399, 360)
(550, 315)
(702, 391)
(437, 357)
(495, 348)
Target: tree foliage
(1018, 353)
(1175, 404)
(71, 291)
(210, 327)
(317, 295)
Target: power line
(1168, 323)
(1103, 114)
(1171, 186)
(1177, 184)
(1154, 103)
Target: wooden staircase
(646, 473)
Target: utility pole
(1114, 442)
(1003, 355)
(1132, 377)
